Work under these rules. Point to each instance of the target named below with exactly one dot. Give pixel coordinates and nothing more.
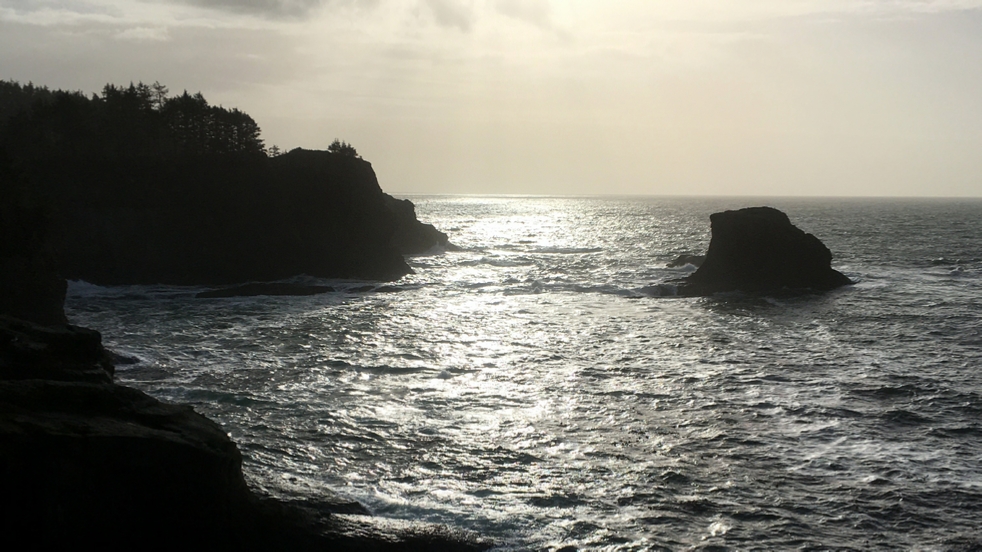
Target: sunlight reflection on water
(523, 387)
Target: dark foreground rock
(58, 353)
(103, 464)
(86, 462)
(757, 249)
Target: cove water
(528, 387)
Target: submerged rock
(757, 249)
(682, 260)
(271, 288)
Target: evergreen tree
(138, 120)
(342, 148)
(158, 95)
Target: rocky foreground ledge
(86, 461)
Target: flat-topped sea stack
(758, 250)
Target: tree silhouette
(158, 94)
(15, 98)
(342, 148)
(138, 120)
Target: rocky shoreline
(84, 460)
(112, 190)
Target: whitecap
(660, 290)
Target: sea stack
(758, 250)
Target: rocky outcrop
(177, 191)
(83, 460)
(86, 462)
(54, 353)
(30, 291)
(412, 237)
(106, 464)
(757, 249)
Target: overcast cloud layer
(761, 97)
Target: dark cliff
(227, 219)
(413, 237)
(142, 188)
(29, 287)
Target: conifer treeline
(135, 121)
(134, 186)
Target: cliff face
(29, 288)
(411, 236)
(227, 219)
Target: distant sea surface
(528, 387)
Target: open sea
(531, 388)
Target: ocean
(531, 386)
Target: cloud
(144, 34)
(277, 9)
(536, 12)
(56, 12)
(274, 8)
(451, 13)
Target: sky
(653, 97)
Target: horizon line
(684, 196)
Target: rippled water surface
(528, 386)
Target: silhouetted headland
(758, 250)
(142, 188)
